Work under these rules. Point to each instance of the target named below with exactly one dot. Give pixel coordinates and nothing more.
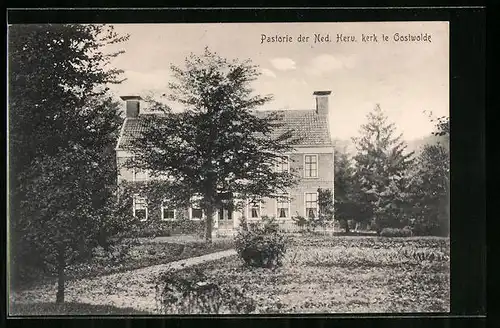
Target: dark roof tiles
(310, 127)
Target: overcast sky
(405, 78)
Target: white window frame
(146, 206)
(317, 166)
(249, 210)
(305, 204)
(168, 208)
(278, 165)
(287, 195)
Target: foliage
(430, 192)
(302, 222)
(396, 232)
(192, 292)
(261, 245)
(62, 128)
(382, 169)
(326, 208)
(349, 198)
(325, 214)
(218, 165)
(442, 126)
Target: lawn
(138, 253)
(347, 275)
(320, 274)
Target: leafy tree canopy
(217, 146)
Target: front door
(225, 216)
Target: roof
(132, 127)
(309, 126)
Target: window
(254, 209)
(312, 205)
(225, 213)
(140, 175)
(283, 164)
(196, 213)
(283, 206)
(167, 213)
(140, 207)
(310, 166)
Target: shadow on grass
(53, 309)
(149, 254)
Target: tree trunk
(61, 264)
(346, 226)
(209, 224)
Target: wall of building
(324, 180)
(124, 174)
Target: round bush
(261, 245)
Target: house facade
(312, 159)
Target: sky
(406, 78)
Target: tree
(430, 191)
(217, 149)
(66, 215)
(62, 129)
(430, 186)
(347, 194)
(382, 168)
(442, 126)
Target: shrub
(423, 228)
(261, 245)
(396, 232)
(310, 224)
(192, 292)
(300, 221)
(153, 231)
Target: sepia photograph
(228, 168)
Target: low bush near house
(192, 292)
(149, 229)
(310, 225)
(261, 245)
(301, 222)
(396, 232)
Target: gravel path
(131, 289)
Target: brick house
(313, 158)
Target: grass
(44, 309)
(136, 254)
(346, 275)
(321, 274)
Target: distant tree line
(384, 186)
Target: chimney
(322, 102)
(132, 105)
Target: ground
(138, 253)
(321, 274)
(346, 275)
